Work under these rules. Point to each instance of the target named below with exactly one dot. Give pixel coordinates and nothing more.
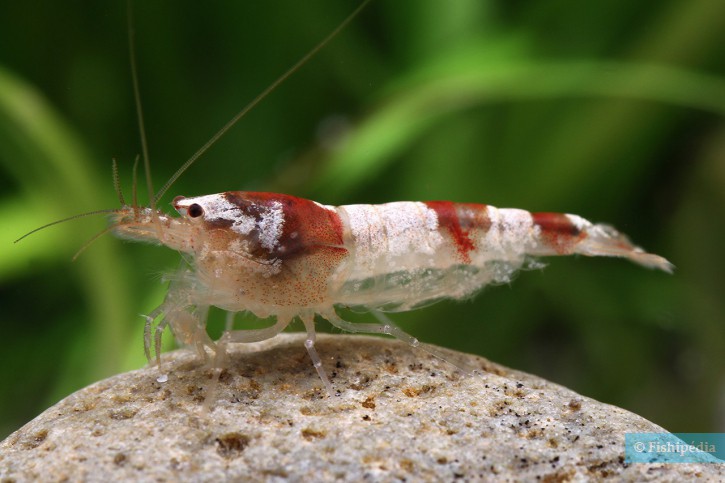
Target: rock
(400, 414)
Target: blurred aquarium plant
(613, 111)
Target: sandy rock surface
(399, 415)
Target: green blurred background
(612, 110)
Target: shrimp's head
(257, 229)
(250, 250)
(261, 250)
(231, 225)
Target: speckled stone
(400, 414)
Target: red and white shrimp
(282, 256)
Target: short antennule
(117, 182)
(121, 199)
(134, 184)
(90, 242)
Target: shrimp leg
(386, 326)
(309, 321)
(244, 336)
(254, 335)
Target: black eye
(195, 211)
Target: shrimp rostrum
(280, 256)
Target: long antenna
(153, 200)
(81, 215)
(141, 126)
(254, 102)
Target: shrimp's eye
(195, 211)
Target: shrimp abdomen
(406, 254)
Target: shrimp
(276, 255)
(282, 257)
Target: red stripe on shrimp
(459, 219)
(558, 231)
